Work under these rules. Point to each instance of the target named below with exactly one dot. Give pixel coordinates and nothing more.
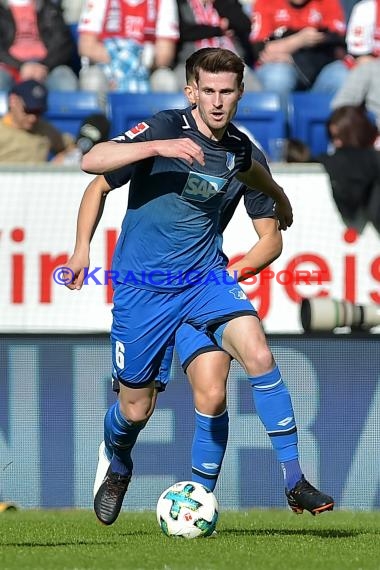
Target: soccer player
(184, 160)
(206, 365)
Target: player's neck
(213, 134)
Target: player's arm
(111, 155)
(264, 251)
(258, 178)
(89, 214)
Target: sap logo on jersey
(201, 187)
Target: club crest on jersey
(238, 293)
(230, 160)
(137, 130)
(202, 187)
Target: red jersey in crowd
(137, 20)
(271, 15)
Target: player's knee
(260, 360)
(137, 412)
(212, 402)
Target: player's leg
(208, 377)
(207, 367)
(137, 350)
(245, 340)
(236, 328)
(162, 379)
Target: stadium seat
(128, 109)
(67, 109)
(308, 113)
(261, 115)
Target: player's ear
(189, 92)
(241, 90)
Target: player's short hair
(215, 60)
(192, 60)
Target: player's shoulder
(171, 121)
(237, 141)
(258, 154)
(166, 124)
(234, 132)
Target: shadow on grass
(111, 541)
(320, 533)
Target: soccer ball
(188, 510)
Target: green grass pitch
(255, 540)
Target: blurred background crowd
(321, 48)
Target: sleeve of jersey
(161, 126)
(360, 29)
(334, 17)
(119, 177)
(167, 26)
(259, 156)
(92, 16)
(258, 205)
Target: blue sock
(292, 473)
(120, 436)
(274, 408)
(209, 446)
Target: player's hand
(75, 271)
(284, 213)
(184, 148)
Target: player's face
(216, 96)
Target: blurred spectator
(363, 31)
(93, 130)
(114, 38)
(71, 10)
(362, 84)
(298, 45)
(24, 136)
(297, 151)
(354, 167)
(214, 23)
(35, 43)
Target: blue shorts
(191, 342)
(145, 322)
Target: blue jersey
(171, 226)
(257, 204)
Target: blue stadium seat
(308, 114)
(261, 115)
(128, 109)
(67, 109)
